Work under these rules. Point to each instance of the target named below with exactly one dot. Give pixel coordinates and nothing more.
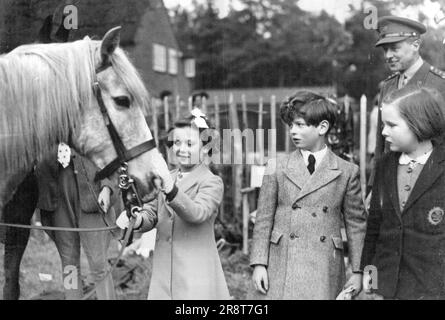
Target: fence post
(273, 125)
(154, 115)
(217, 119)
(244, 127)
(190, 103)
(237, 170)
(218, 127)
(288, 137)
(363, 102)
(245, 199)
(166, 115)
(260, 136)
(204, 105)
(177, 104)
(246, 166)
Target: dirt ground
(41, 277)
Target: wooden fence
(227, 115)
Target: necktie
(311, 165)
(64, 154)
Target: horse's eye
(122, 101)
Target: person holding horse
(186, 263)
(68, 197)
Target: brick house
(147, 35)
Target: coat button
(76, 172)
(409, 170)
(322, 238)
(325, 209)
(314, 214)
(407, 188)
(295, 206)
(292, 236)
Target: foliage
(268, 43)
(274, 43)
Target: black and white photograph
(237, 152)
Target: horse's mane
(43, 90)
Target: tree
(362, 66)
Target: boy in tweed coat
(305, 198)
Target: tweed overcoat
(297, 232)
(186, 263)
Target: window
(189, 68)
(172, 61)
(159, 58)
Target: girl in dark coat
(406, 229)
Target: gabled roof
(20, 22)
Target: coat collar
(431, 171)
(193, 177)
(325, 173)
(296, 169)
(411, 71)
(190, 180)
(421, 75)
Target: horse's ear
(109, 43)
(45, 30)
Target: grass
(132, 275)
(41, 256)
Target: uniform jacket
(186, 263)
(427, 76)
(47, 172)
(408, 247)
(297, 229)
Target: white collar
(319, 155)
(409, 73)
(405, 159)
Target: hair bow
(199, 118)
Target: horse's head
(124, 97)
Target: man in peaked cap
(400, 40)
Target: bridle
(130, 196)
